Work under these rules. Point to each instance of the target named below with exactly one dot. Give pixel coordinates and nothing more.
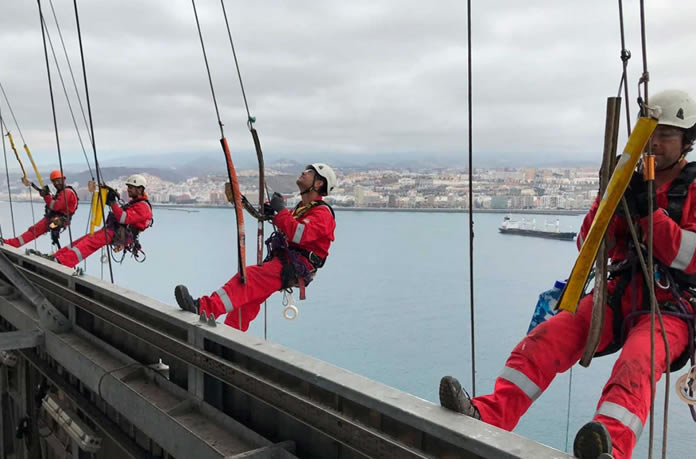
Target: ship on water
(523, 228)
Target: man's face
(58, 183)
(133, 191)
(666, 143)
(305, 180)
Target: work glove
(111, 197)
(277, 202)
(44, 191)
(276, 205)
(637, 197)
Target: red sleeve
(138, 215)
(315, 225)
(58, 204)
(675, 245)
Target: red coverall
(138, 215)
(54, 203)
(312, 231)
(557, 344)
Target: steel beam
(11, 341)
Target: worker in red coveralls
(556, 345)
(59, 210)
(122, 226)
(298, 249)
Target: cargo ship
(510, 226)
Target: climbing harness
(59, 221)
(126, 237)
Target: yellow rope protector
(97, 208)
(607, 205)
(33, 164)
(12, 144)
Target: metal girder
(340, 427)
(50, 318)
(343, 421)
(11, 341)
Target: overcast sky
(343, 77)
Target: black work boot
(185, 300)
(592, 442)
(454, 398)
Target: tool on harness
(58, 221)
(290, 311)
(126, 237)
(686, 387)
(294, 272)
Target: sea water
(392, 302)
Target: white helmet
(678, 109)
(327, 174)
(136, 180)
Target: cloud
(343, 77)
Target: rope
(231, 172)
(259, 154)
(53, 111)
(31, 195)
(570, 388)
(91, 126)
(625, 56)
(67, 99)
(72, 75)
(471, 202)
(7, 175)
(207, 68)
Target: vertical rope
(570, 391)
(7, 174)
(471, 203)
(31, 195)
(55, 121)
(72, 74)
(625, 56)
(91, 129)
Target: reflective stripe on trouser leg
(621, 414)
(229, 307)
(522, 381)
(77, 252)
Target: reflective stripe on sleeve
(122, 220)
(53, 203)
(522, 381)
(686, 250)
(21, 240)
(621, 414)
(77, 252)
(581, 241)
(298, 233)
(229, 307)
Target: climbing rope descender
(290, 311)
(686, 387)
